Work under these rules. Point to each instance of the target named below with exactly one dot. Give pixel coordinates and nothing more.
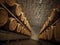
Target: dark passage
(33, 42)
(27, 42)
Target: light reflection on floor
(34, 35)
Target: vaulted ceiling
(37, 11)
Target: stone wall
(37, 11)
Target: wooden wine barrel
(50, 33)
(29, 27)
(25, 20)
(16, 10)
(57, 31)
(52, 15)
(27, 24)
(40, 36)
(46, 34)
(22, 31)
(27, 33)
(47, 23)
(2, 1)
(22, 16)
(11, 2)
(19, 27)
(3, 16)
(11, 24)
(43, 27)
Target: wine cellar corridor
(29, 22)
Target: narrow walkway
(33, 42)
(27, 42)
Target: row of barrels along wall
(11, 24)
(52, 31)
(54, 15)
(47, 34)
(16, 9)
(7, 22)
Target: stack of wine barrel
(51, 28)
(7, 22)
